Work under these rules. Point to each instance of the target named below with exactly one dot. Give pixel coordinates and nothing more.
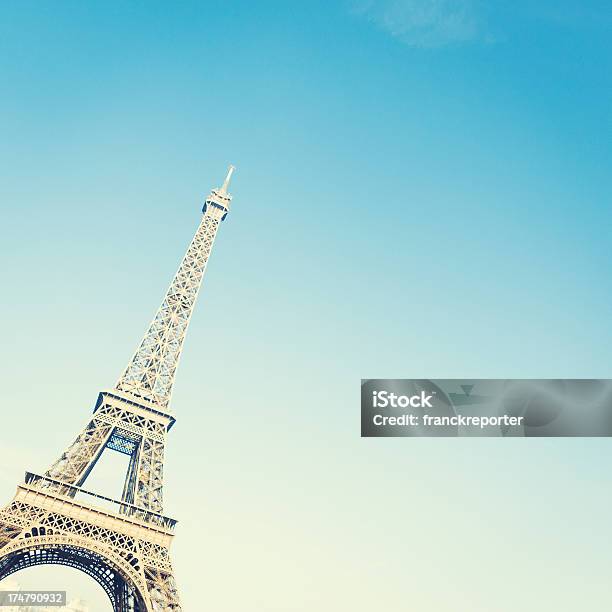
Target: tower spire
(149, 375)
(228, 178)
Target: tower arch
(124, 588)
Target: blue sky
(423, 189)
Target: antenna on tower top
(228, 178)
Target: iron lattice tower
(123, 544)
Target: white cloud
(426, 23)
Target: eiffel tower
(123, 544)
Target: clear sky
(423, 189)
